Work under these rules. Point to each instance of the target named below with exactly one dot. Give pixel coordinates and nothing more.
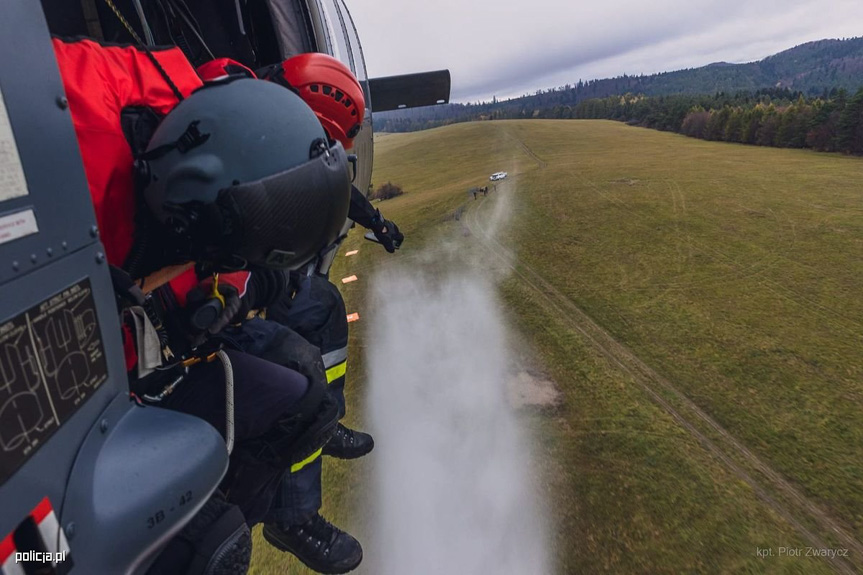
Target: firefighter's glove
(387, 233)
(209, 313)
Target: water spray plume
(452, 464)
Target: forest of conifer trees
(805, 97)
(832, 122)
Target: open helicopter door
(327, 26)
(82, 470)
(333, 31)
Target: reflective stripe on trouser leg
(298, 496)
(286, 508)
(334, 374)
(310, 459)
(336, 381)
(335, 362)
(317, 313)
(335, 357)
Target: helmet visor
(284, 220)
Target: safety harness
(143, 315)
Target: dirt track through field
(778, 493)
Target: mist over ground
(452, 476)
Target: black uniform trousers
(264, 392)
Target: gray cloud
(507, 49)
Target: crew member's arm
(362, 212)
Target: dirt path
(776, 491)
(524, 148)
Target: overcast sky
(506, 48)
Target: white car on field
(497, 176)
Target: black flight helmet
(241, 172)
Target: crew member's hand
(210, 313)
(387, 233)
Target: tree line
(809, 69)
(832, 122)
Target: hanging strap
(150, 55)
(132, 293)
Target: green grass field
(697, 305)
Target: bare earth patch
(530, 390)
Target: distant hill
(812, 69)
(809, 68)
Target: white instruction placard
(17, 225)
(13, 184)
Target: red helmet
(329, 88)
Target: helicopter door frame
(114, 474)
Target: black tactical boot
(348, 444)
(317, 543)
(216, 541)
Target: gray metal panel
(364, 149)
(363, 142)
(354, 41)
(59, 196)
(32, 91)
(137, 483)
(46, 471)
(123, 463)
(105, 465)
(339, 35)
(322, 37)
